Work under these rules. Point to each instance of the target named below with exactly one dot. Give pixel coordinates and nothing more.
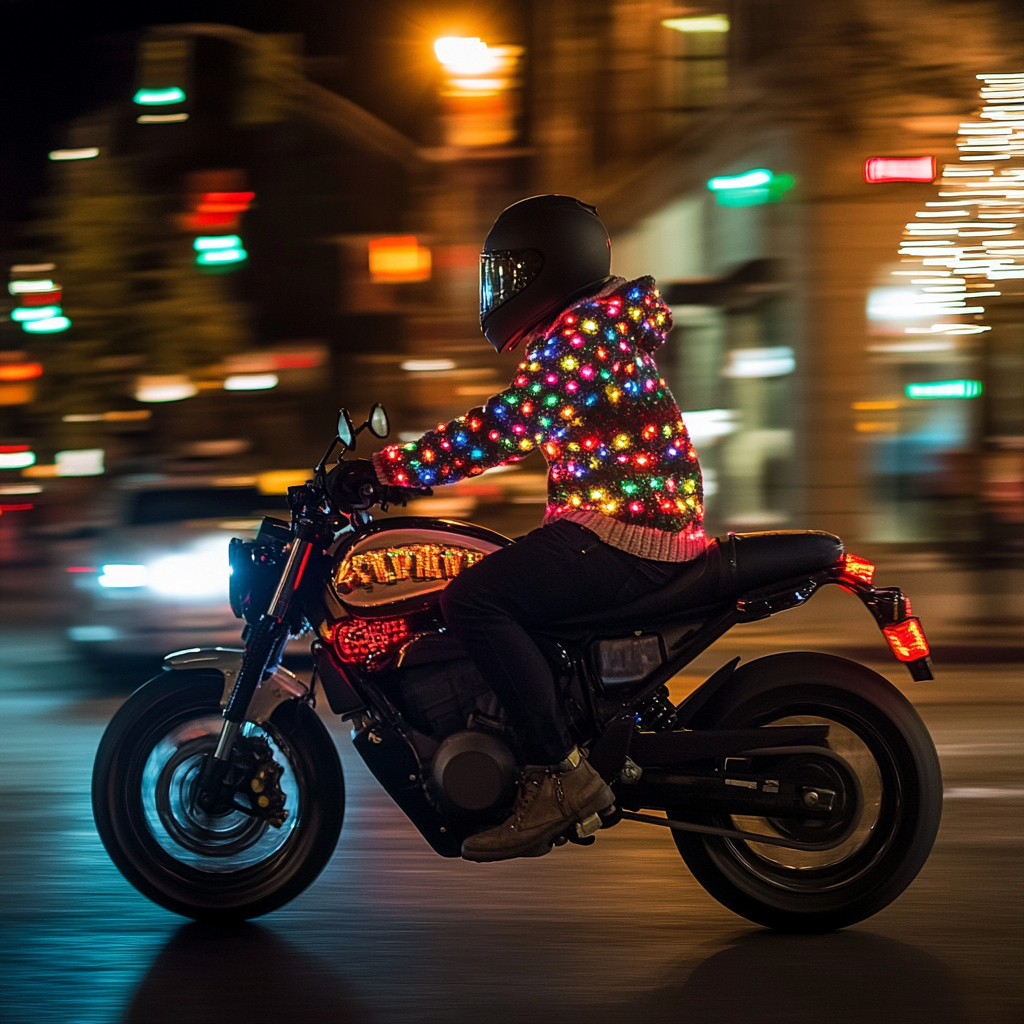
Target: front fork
(263, 650)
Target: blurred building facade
(795, 384)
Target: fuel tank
(398, 565)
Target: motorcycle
(802, 790)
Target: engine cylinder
(473, 771)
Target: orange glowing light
(399, 259)
(10, 372)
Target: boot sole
(544, 844)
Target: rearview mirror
(378, 421)
(346, 432)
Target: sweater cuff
(378, 466)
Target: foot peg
(588, 826)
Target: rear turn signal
(907, 640)
(859, 568)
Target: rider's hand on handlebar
(353, 485)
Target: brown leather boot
(551, 799)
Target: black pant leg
(553, 573)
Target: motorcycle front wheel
(888, 750)
(223, 866)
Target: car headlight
(117, 576)
(202, 572)
(199, 573)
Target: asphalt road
(392, 933)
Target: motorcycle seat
(706, 585)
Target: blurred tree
(137, 301)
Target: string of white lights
(973, 234)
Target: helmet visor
(503, 273)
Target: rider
(624, 485)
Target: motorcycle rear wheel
(225, 867)
(887, 746)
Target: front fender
(278, 687)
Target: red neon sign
(880, 169)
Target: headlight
(202, 572)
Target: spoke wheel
(223, 865)
(887, 773)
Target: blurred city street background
(221, 222)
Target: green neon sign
(751, 188)
(944, 389)
(160, 97)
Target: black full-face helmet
(541, 255)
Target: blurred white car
(156, 579)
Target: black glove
(353, 485)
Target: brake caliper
(258, 789)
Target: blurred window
(693, 70)
(182, 503)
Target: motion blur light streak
(159, 97)
(397, 260)
(945, 389)
(776, 361)
(79, 462)
(11, 372)
(165, 388)
(161, 118)
(974, 232)
(251, 382)
(51, 325)
(465, 55)
(86, 153)
(221, 256)
(206, 243)
(751, 188)
(879, 169)
(22, 287)
(119, 576)
(708, 23)
(427, 365)
(16, 459)
(23, 313)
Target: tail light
(858, 568)
(907, 640)
(364, 640)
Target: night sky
(59, 60)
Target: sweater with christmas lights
(589, 396)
